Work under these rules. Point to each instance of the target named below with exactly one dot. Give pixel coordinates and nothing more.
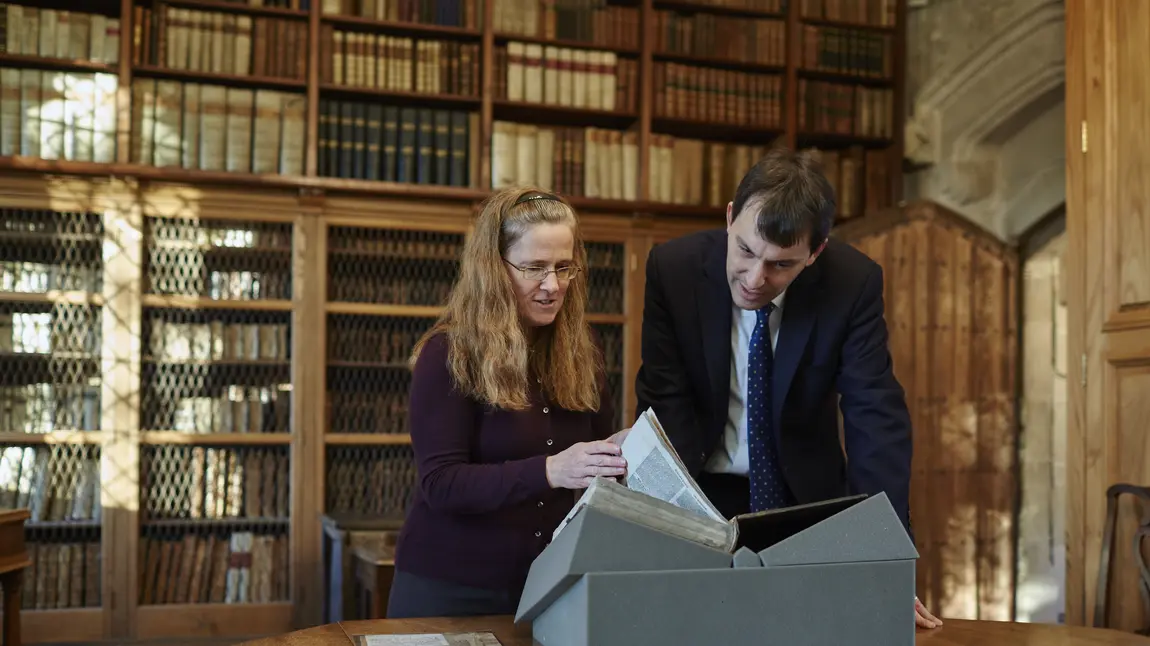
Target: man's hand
(923, 618)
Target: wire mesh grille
(401, 267)
(376, 480)
(60, 486)
(215, 524)
(49, 367)
(226, 261)
(611, 339)
(50, 250)
(216, 371)
(605, 277)
(368, 378)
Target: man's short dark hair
(789, 197)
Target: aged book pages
(447, 639)
(657, 492)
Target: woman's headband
(535, 195)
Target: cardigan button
(546, 410)
(550, 442)
(538, 534)
(540, 503)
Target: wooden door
(1108, 221)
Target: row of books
(72, 225)
(590, 162)
(718, 96)
(851, 52)
(185, 275)
(203, 401)
(58, 115)
(197, 482)
(371, 243)
(212, 127)
(835, 108)
(53, 483)
(751, 40)
(585, 21)
(43, 277)
(62, 575)
(685, 171)
(46, 333)
(206, 235)
(863, 12)
(383, 411)
(375, 481)
(57, 33)
(445, 13)
(43, 407)
(576, 78)
(359, 140)
(238, 567)
(396, 63)
(218, 340)
(374, 340)
(219, 42)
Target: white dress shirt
(732, 456)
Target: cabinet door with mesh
(385, 288)
(606, 282)
(51, 273)
(215, 411)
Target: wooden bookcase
(222, 327)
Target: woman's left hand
(617, 438)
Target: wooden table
(13, 559)
(954, 632)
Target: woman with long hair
(508, 410)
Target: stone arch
(988, 123)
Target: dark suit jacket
(833, 339)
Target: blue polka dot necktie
(768, 490)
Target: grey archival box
(836, 572)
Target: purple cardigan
(482, 509)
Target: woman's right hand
(578, 465)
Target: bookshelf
(222, 226)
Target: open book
(659, 493)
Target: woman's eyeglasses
(534, 272)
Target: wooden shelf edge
(244, 439)
(8, 59)
(564, 44)
(384, 309)
(843, 24)
(607, 319)
(235, 7)
(356, 22)
(54, 437)
(204, 303)
(52, 297)
(213, 620)
(246, 81)
(61, 625)
(365, 439)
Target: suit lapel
(714, 300)
(794, 332)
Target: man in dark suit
(749, 334)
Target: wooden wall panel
(950, 292)
(1108, 174)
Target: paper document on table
(428, 639)
(654, 468)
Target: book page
(429, 639)
(655, 469)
